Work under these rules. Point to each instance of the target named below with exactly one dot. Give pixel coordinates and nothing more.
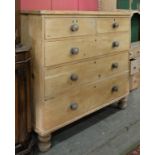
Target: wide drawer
(61, 79)
(76, 103)
(58, 52)
(105, 25)
(69, 26)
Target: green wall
(124, 4)
(135, 28)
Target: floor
(107, 132)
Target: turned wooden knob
(115, 44)
(74, 77)
(114, 65)
(74, 106)
(114, 89)
(74, 51)
(115, 25)
(74, 27)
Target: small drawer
(61, 79)
(113, 42)
(83, 100)
(105, 25)
(135, 81)
(134, 53)
(135, 50)
(67, 27)
(134, 66)
(59, 52)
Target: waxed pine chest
(80, 65)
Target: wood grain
(48, 32)
(57, 80)
(61, 27)
(107, 5)
(58, 52)
(104, 26)
(134, 66)
(135, 50)
(57, 111)
(135, 81)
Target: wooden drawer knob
(115, 25)
(115, 65)
(74, 106)
(114, 89)
(74, 77)
(74, 51)
(115, 44)
(74, 27)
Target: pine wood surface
(52, 64)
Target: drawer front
(71, 105)
(65, 78)
(113, 42)
(135, 81)
(105, 25)
(58, 52)
(134, 66)
(67, 27)
(135, 52)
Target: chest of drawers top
(86, 13)
(57, 25)
(70, 35)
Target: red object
(64, 4)
(35, 4)
(88, 5)
(85, 5)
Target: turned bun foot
(123, 103)
(44, 143)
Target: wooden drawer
(113, 42)
(68, 107)
(135, 81)
(135, 50)
(134, 53)
(61, 79)
(105, 25)
(134, 66)
(66, 27)
(58, 52)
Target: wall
(90, 5)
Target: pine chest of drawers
(80, 65)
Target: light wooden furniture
(107, 5)
(80, 65)
(134, 65)
(135, 50)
